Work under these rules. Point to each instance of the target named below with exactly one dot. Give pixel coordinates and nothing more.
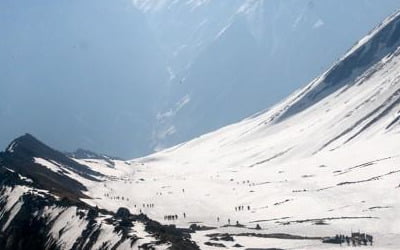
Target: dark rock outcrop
(20, 157)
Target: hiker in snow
(184, 215)
(348, 240)
(248, 207)
(217, 219)
(364, 240)
(229, 221)
(369, 238)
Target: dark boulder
(123, 213)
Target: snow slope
(324, 161)
(221, 52)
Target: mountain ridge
(43, 208)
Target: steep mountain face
(46, 167)
(358, 60)
(221, 53)
(322, 162)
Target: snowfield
(330, 168)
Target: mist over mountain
(318, 170)
(79, 74)
(125, 78)
(230, 59)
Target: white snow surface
(13, 203)
(48, 164)
(10, 148)
(72, 226)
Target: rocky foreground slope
(40, 207)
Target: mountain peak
(381, 42)
(47, 167)
(25, 142)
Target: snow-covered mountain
(322, 162)
(149, 65)
(228, 59)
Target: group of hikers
(247, 182)
(241, 208)
(122, 198)
(229, 222)
(356, 239)
(173, 217)
(148, 205)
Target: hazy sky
(105, 76)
